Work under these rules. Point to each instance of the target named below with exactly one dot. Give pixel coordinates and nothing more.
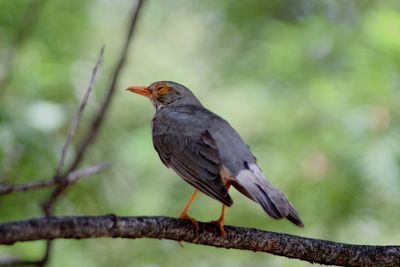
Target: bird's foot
(195, 224)
(220, 225)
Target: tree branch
(307, 249)
(71, 178)
(64, 180)
(100, 116)
(97, 121)
(75, 122)
(92, 132)
(61, 180)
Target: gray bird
(205, 151)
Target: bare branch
(99, 118)
(84, 172)
(78, 115)
(45, 258)
(6, 260)
(92, 132)
(62, 180)
(307, 249)
(71, 178)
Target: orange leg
(184, 214)
(221, 220)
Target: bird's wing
(247, 176)
(187, 147)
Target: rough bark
(307, 249)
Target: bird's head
(166, 93)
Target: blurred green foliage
(312, 86)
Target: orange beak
(140, 90)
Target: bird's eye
(161, 89)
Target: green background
(312, 86)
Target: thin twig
(45, 259)
(71, 178)
(302, 248)
(92, 132)
(13, 261)
(99, 118)
(62, 180)
(75, 122)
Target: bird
(206, 152)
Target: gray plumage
(205, 151)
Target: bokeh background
(313, 87)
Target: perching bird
(205, 151)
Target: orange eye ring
(162, 89)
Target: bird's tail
(252, 183)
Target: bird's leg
(221, 220)
(184, 214)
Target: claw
(220, 222)
(193, 221)
(184, 214)
(220, 225)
